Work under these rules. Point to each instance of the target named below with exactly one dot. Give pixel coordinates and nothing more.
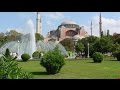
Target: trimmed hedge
(25, 57)
(97, 57)
(53, 61)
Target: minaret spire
(91, 28)
(38, 24)
(100, 25)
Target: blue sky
(51, 20)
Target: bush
(97, 57)
(9, 69)
(7, 53)
(25, 57)
(37, 54)
(53, 61)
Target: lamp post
(88, 50)
(75, 42)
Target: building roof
(68, 22)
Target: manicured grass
(76, 69)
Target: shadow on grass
(90, 62)
(39, 73)
(114, 60)
(94, 62)
(28, 60)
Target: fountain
(27, 45)
(41, 45)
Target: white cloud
(107, 23)
(25, 15)
(52, 17)
(55, 16)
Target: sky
(24, 21)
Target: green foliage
(25, 57)
(97, 57)
(79, 47)
(53, 61)
(7, 53)
(9, 69)
(37, 54)
(103, 44)
(91, 40)
(115, 47)
(38, 37)
(68, 44)
(108, 33)
(116, 38)
(12, 35)
(117, 55)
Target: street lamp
(75, 42)
(88, 50)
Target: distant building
(67, 29)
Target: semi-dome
(76, 37)
(68, 22)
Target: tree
(103, 44)
(2, 38)
(116, 38)
(68, 44)
(79, 47)
(115, 47)
(108, 33)
(38, 37)
(7, 53)
(13, 35)
(91, 40)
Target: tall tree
(38, 37)
(13, 35)
(116, 38)
(79, 47)
(108, 33)
(91, 40)
(68, 44)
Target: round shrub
(97, 57)
(37, 54)
(25, 57)
(52, 61)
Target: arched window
(71, 33)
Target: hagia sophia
(67, 29)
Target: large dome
(68, 22)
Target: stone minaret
(100, 25)
(91, 28)
(38, 24)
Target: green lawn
(76, 69)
